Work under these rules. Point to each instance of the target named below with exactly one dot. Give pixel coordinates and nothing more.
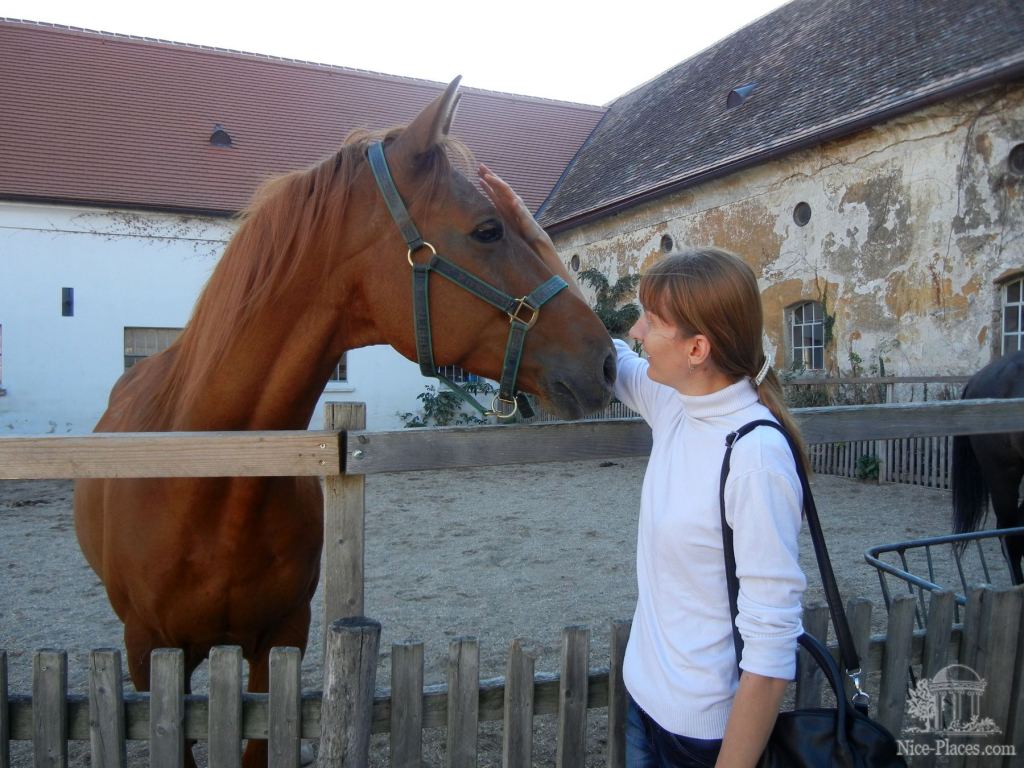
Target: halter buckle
(522, 304)
(433, 251)
(501, 414)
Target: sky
(568, 50)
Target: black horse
(991, 466)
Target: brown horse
(316, 267)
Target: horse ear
(431, 126)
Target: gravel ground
(496, 553)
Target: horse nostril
(610, 368)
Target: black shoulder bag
(844, 736)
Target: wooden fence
(344, 714)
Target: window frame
(796, 319)
(158, 347)
(1007, 309)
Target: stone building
(865, 158)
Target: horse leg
(293, 632)
(1004, 488)
(140, 642)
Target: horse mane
(286, 218)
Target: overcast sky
(561, 50)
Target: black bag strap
(847, 651)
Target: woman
(705, 376)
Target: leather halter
(522, 312)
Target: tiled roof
(99, 119)
(822, 68)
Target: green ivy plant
(444, 408)
(608, 298)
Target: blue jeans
(648, 745)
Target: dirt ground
(494, 553)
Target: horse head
(567, 359)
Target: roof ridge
(127, 37)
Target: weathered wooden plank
(517, 735)
(285, 742)
(225, 715)
(1001, 616)
(170, 454)
(858, 615)
(407, 705)
(421, 449)
(344, 527)
(167, 708)
(896, 660)
(1015, 728)
(938, 629)
(49, 714)
(109, 749)
(571, 749)
(350, 675)
(5, 715)
(809, 677)
(463, 702)
(618, 700)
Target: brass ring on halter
(433, 251)
(499, 399)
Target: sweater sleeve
(765, 507)
(632, 386)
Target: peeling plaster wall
(912, 223)
(127, 269)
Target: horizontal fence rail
(171, 454)
(989, 641)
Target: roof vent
(220, 137)
(739, 95)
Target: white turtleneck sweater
(680, 664)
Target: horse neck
(274, 367)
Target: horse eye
(488, 232)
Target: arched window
(807, 336)
(1013, 315)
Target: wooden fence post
(517, 736)
(5, 719)
(225, 718)
(167, 708)
(571, 750)
(106, 710)
(407, 705)
(617, 701)
(463, 702)
(49, 708)
(283, 741)
(344, 510)
(349, 682)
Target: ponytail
(769, 392)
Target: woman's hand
(513, 210)
(511, 207)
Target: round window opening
(666, 243)
(802, 214)
(1016, 159)
(574, 262)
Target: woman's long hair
(714, 293)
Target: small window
(1016, 160)
(458, 375)
(140, 343)
(1013, 316)
(574, 262)
(807, 335)
(340, 372)
(802, 214)
(666, 243)
(220, 137)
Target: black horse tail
(970, 493)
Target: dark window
(340, 372)
(140, 343)
(807, 336)
(802, 214)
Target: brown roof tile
(100, 119)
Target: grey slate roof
(823, 68)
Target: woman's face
(666, 348)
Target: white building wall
(127, 269)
